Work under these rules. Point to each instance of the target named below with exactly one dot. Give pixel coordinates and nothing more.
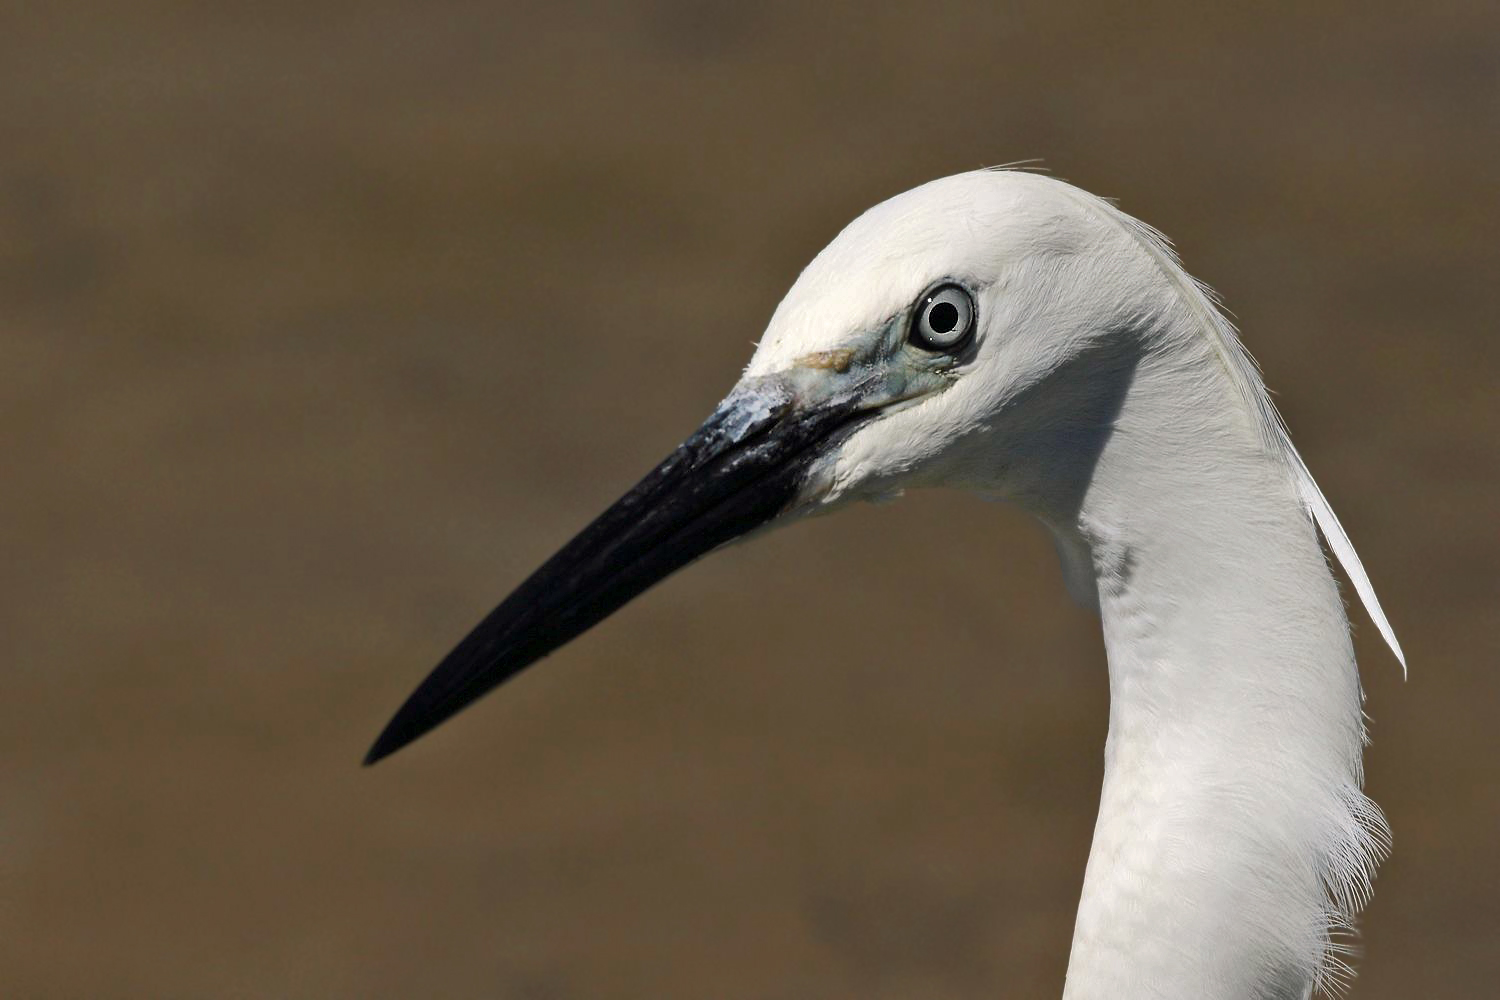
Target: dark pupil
(943, 317)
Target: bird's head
(977, 332)
(937, 340)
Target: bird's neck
(1231, 829)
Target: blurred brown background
(322, 324)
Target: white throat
(1103, 391)
(1233, 844)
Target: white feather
(1108, 394)
(1246, 376)
(1343, 550)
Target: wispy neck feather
(1233, 847)
(1208, 321)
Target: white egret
(1009, 334)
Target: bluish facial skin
(882, 367)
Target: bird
(1006, 333)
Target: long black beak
(738, 471)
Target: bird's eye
(944, 319)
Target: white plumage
(1008, 334)
(1110, 397)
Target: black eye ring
(944, 319)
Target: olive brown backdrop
(321, 324)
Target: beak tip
(396, 735)
(378, 752)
